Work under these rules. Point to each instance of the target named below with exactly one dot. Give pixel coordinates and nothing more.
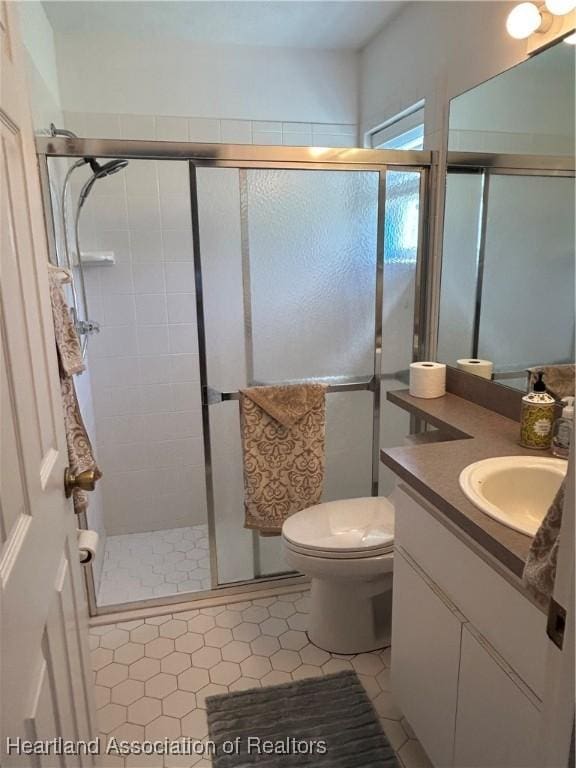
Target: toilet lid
(346, 526)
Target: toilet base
(351, 617)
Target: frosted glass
(220, 245)
(459, 263)
(348, 462)
(296, 250)
(348, 474)
(312, 245)
(400, 258)
(527, 312)
(234, 546)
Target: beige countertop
(469, 433)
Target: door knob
(84, 481)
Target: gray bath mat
(325, 722)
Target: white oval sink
(515, 490)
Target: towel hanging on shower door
(283, 444)
(70, 362)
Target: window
(404, 131)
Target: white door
(45, 684)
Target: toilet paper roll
(427, 379)
(478, 367)
(87, 546)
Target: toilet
(346, 548)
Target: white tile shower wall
(83, 384)
(211, 130)
(144, 362)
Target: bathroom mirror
(507, 286)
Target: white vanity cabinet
(497, 721)
(468, 649)
(425, 659)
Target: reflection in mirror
(507, 290)
(527, 110)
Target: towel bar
(366, 384)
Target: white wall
(42, 72)
(164, 76)
(433, 51)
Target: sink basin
(515, 490)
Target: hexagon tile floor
(138, 566)
(152, 676)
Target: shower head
(108, 169)
(99, 172)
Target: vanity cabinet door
(497, 724)
(426, 634)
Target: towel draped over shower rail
(365, 384)
(283, 431)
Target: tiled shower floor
(139, 566)
(152, 676)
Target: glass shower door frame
(211, 397)
(244, 157)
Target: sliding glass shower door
(304, 275)
(289, 262)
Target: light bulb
(560, 7)
(523, 21)
(571, 39)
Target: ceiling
(340, 24)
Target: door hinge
(556, 625)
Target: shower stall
(230, 266)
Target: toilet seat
(344, 529)
(333, 554)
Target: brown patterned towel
(283, 436)
(80, 455)
(559, 379)
(67, 341)
(540, 569)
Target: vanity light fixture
(526, 19)
(560, 7)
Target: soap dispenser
(563, 429)
(537, 417)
